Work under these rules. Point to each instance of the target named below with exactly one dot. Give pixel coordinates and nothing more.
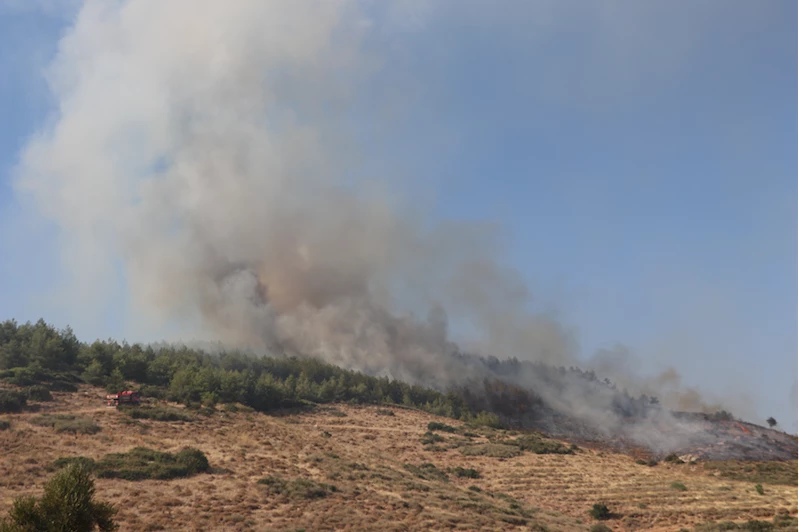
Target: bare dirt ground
(369, 458)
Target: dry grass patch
(67, 423)
(298, 488)
(784, 473)
(492, 450)
(374, 490)
(427, 471)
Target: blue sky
(640, 158)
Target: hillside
(567, 403)
(357, 467)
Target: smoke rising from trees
(210, 150)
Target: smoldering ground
(211, 150)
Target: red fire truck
(127, 397)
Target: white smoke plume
(207, 147)
(210, 149)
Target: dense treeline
(33, 353)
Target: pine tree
(67, 504)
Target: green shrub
(430, 438)
(299, 488)
(156, 392)
(234, 407)
(141, 463)
(435, 425)
(673, 459)
(427, 471)
(62, 386)
(758, 526)
(193, 459)
(384, 412)
(679, 486)
(493, 450)
(759, 489)
(486, 419)
(38, 393)
(67, 505)
(599, 527)
(475, 489)
(12, 401)
(156, 413)
(600, 511)
(331, 411)
(786, 521)
(538, 445)
(67, 423)
(5, 425)
(86, 463)
(32, 374)
(467, 473)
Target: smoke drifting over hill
(209, 148)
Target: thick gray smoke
(209, 149)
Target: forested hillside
(31, 354)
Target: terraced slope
(367, 468)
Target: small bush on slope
(538, 445)
(435, 425)
(467, 473)
(141, 463)
(298, 488)
(156, 413)
(12, 401)
(600, 511)
(427, 471)
(67, 423)
(67, 505)
(38, 393)
(494, 450)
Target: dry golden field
(373, 461)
